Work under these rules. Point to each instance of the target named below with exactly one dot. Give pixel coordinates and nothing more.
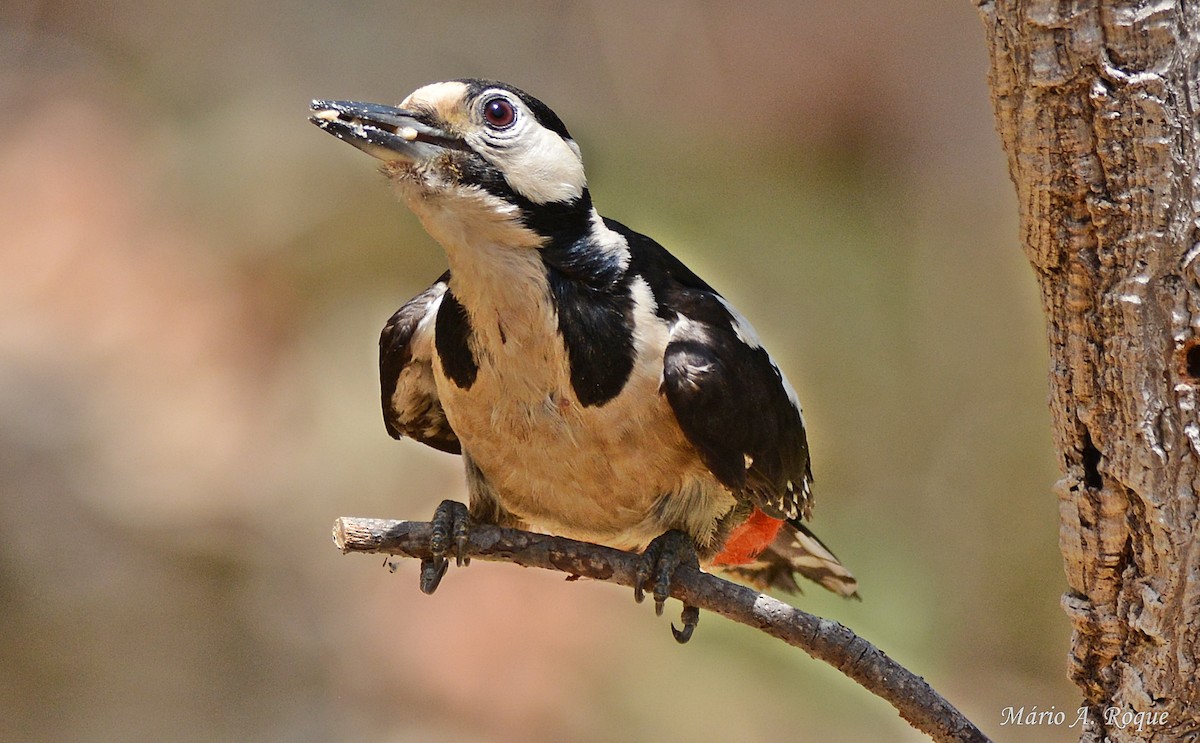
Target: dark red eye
(499, 113)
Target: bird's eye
(499, 113)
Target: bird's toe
(450, 523)
(657, 567)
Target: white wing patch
(747, 334)
(741, 326)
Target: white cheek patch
(538, 164)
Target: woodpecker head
(472, 158)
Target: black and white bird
(595, 387)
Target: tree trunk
(1096, 103)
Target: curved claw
(639, 580)
(690, 618)
(432, 570)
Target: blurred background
(192, 283)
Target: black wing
(735, 407)
(410, 401)
(729, 397)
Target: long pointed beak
(383, 132)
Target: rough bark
(823, 639)
(1096, 104)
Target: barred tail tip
(814, 561)
(796, 551)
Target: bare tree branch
(823, 639)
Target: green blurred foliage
(191, 287)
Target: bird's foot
(657, 567)
(450, 521)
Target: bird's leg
(658, 563)
(450, 520)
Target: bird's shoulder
(682, 297)
(668, 277)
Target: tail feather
(796, 550)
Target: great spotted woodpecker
(595, 387)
